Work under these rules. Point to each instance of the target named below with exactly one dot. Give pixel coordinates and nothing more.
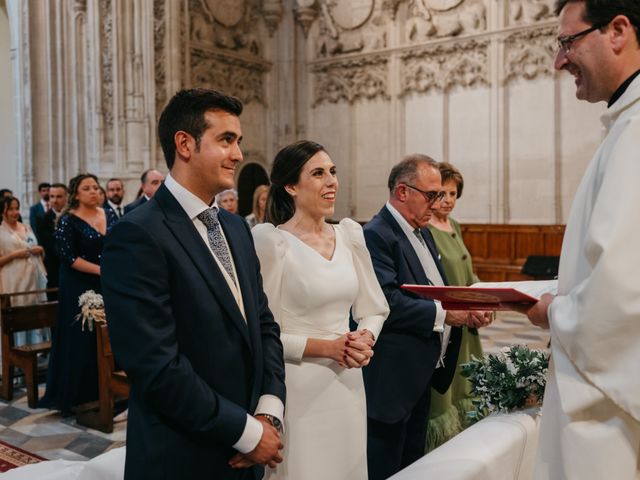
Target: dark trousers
(393, 446)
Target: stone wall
(466, 81)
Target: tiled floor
(45, 433)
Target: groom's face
(219, 152)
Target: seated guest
(21, 267)
(115, 195)
(418, 346)
(259, 203)
(47, 225)
(448, 411)
(39, 209)
(314, 275)
(72, 378)
(228, 199)
(150, 181)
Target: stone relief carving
(443, 67)
(429, 19)
(306, 11)
(234, 76)
(350, 27)
(350, 80)
(106, 42)
(159, 37)
(272, 11)
(530, 11)
(529, 54)
(226, 24)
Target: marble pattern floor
(47, 434)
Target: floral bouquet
(514, 378)
(91, 309)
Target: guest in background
(259, 204)
(5, 193)
(58, 199)
(38, 210)
(72, 378)
(448, 411)
(325, 420)
(21, 267)
(228, 199)
(115, 195)
(150, 182)
(418, 346)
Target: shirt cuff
(270, 405)
(250, 436)
(441, 313)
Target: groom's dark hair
(185, 112)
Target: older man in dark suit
(187, 314)
(150, 181)
(409, 354)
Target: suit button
(464, 257)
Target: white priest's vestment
(591, 414)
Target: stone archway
(250, 177)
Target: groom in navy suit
(187, 315)
(409, 354)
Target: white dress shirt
(432, 273)
(267, 404)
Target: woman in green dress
(448, 412)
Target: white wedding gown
(311, 297)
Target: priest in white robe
(591, 413)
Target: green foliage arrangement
(512, 379)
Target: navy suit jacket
(407, 350)
(135, 204)
(36, 212)
(196, 366)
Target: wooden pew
(112, 384)
(22, 319)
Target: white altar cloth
(499, 447)
(108, 466)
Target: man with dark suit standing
(187, 315)
(409, 354)
(115, 195)
(150, 181)
(58, 196)
(37, 210)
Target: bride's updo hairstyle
(286, 171)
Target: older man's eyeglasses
(566, 42)
(430, 196)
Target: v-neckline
(335, 244)
(91, 226)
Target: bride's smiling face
(315, 192)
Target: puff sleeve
(272, 248)
(370, 309)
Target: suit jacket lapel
(407, 249)
(182, 228)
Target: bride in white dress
(315, 274)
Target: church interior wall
(7, 107)
(465, 81)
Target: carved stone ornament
(234, 76)
(350, 80)
(305, 14)
(441, 5)
(351, 27)
(232, 28)
(529, 53)
(429, 19)
(443, 67)
(272, 11)
(159, 36)
(106, 41)
(530, 11)
(227, 12)
(350, 14)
